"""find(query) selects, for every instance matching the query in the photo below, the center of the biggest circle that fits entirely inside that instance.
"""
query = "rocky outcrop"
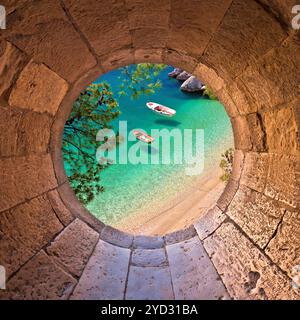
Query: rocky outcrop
(192, 84)
(183, 76)
(176, 72)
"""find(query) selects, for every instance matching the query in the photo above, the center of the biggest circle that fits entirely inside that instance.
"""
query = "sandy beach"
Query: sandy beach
(179, 212)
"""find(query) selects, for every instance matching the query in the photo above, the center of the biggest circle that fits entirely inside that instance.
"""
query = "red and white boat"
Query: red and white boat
(163, 110)
(143, 136)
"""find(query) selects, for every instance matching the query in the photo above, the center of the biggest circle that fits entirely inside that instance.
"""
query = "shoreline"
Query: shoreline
(178, 212)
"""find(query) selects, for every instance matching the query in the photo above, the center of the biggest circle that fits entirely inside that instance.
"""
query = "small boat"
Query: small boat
(163, 110)
(143, 136)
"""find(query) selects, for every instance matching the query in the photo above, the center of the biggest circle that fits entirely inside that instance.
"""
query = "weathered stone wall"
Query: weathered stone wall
(246, 52)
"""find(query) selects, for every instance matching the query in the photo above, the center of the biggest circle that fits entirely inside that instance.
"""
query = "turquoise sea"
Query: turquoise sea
(133, 188)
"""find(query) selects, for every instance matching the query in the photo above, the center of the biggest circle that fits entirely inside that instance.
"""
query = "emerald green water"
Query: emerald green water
(137, 188)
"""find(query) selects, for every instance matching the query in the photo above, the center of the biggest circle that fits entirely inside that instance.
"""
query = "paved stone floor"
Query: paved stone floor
(211, 260)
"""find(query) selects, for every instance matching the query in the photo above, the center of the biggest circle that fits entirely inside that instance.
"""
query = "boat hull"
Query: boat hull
(160, 109)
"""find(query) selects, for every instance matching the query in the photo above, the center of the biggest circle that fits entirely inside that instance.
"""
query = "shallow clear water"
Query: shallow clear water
(130, 188)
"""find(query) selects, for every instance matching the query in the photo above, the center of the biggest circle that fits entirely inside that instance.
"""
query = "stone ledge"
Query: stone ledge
(238, 164)
(180, 235)
(60, 209)
(148, 242)
(241, 133)
(209, 222)
(116, 237)
(228, 194)
(71, 202)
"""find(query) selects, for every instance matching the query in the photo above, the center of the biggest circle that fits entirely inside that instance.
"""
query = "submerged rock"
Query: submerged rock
(175, 72)
(192, 84)
(183, 76)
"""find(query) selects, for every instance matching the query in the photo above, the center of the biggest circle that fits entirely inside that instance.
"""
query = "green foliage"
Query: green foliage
(94, 109)
(140, 79)
(226, 164)
(207, 92)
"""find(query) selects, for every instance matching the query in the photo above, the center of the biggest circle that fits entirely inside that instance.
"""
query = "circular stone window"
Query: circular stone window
(148, 148)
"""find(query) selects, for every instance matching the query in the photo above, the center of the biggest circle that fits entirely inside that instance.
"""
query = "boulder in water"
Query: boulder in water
(183, 76)
(175, 73)
(192, 84)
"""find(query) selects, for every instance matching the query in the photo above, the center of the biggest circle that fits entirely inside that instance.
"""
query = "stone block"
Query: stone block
(9, 123)
(147, 242)
(240, 96)
(255, 170)
(63, 214)
(284, 248)
(152, 55)
(142, 13)
(25, 177)
(26, 229)
(149, 38)
(238, 164)
(38, 89)
(258, 134)
(209, 76)
(281, 131)
(39, 279)
(199, 14)
(44, 31)
(11, 63)
(191, 41)
(107, 34)
(116, 237)
(279, 68)
(179, 60)
(149, 258)
(245, 271)
(104, 276)
(117, 59)
(209, 222)
(73, 246)
(180, 235)
(149, 283)
(228, 194)
(241, 133)
(283, 181)
(20, 136)
(246, 32)
(228, 103)
(193, 275)
(256, 214)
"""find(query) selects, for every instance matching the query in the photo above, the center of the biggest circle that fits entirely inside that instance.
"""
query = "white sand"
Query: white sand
(179, 212)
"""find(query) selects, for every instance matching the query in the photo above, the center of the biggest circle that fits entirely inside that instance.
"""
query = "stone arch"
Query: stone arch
(246, 52)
